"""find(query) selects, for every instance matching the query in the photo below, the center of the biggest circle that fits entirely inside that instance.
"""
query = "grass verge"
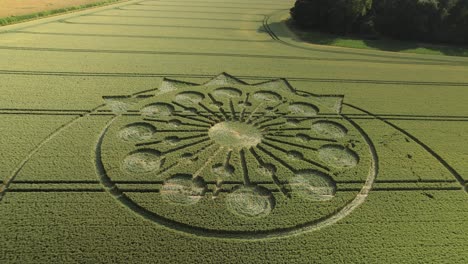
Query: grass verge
(382, 44)
(22, 18)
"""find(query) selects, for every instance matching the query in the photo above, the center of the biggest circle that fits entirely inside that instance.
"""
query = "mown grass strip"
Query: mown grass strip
(22, 18)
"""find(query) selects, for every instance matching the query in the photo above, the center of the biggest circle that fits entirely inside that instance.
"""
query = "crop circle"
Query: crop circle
(234, 160)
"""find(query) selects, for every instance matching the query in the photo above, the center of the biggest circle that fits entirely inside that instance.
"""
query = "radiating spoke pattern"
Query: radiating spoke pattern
(245, 144)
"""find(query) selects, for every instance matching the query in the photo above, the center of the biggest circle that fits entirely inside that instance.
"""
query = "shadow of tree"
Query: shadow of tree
(362, 41)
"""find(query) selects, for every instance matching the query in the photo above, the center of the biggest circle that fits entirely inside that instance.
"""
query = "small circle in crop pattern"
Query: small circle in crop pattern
(137, 132)
(250, 201)
(313, 185)
(157, 110)
(338, 156)
(329, 129)
(189, 97)
(183, 190)
(142, 161)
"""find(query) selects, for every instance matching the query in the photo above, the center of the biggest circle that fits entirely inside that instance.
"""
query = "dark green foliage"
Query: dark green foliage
(310, 14)
(426, 20)
(338, 16)
(408, 19)
(455, 22)
(346, 13)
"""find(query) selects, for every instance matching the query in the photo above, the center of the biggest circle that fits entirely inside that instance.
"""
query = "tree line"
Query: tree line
(444, 21)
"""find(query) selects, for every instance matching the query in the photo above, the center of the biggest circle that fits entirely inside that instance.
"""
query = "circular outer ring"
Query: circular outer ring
(307, 227)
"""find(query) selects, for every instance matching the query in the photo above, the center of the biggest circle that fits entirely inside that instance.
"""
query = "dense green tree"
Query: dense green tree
(427, 20)
(344, 14)
(338, 16)
(455, 25)
(311, 13)
(406, 19)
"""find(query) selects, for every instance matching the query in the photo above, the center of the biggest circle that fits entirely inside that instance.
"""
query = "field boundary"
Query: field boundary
(4, 21)
(358, 43)
(51, 19)
(275, 26)
(386, 44)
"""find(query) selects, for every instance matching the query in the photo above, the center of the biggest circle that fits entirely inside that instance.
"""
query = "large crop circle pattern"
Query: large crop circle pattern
(251, 150)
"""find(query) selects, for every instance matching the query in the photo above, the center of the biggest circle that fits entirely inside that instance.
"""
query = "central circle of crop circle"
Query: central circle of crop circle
(235, 134)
